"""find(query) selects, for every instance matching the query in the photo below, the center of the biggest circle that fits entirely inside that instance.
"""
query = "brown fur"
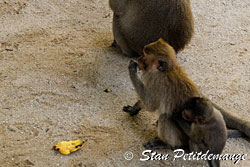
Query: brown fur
(173, 85)
(165, 87)
(137, 23)
(164, 91)
(208, 129)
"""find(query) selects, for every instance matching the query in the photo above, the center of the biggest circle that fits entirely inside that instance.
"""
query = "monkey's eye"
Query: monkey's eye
(162, 65)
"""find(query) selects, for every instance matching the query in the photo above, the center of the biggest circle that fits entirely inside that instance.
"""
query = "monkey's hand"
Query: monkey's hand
(132, 66)
(131, 110)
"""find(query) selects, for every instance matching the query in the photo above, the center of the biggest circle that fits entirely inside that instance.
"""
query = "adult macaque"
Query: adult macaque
(165, 87)
(137, 23)
(207, 131)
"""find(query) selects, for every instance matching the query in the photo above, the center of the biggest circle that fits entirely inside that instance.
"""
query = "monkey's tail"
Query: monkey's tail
(234, 122)
(232, 133)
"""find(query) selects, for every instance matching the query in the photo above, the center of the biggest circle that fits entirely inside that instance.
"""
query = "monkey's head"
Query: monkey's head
(158, 55)
(197, 110)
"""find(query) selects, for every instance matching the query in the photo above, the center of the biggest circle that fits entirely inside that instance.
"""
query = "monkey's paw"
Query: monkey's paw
(66, 147)
(114, 44)
(133, 66)
(156, 144)
(131, 110)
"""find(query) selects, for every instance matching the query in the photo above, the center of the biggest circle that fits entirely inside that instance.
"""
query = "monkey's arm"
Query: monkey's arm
(135, 109)
(197, 134)
(193, 132)
(139, 87)
(185, 126)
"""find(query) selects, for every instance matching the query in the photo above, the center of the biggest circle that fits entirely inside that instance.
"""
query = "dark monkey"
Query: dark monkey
(165, 87)
(207, 130)
(137, 23)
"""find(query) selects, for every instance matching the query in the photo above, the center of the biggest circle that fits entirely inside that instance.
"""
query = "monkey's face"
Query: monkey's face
(198, 110)
(188, 115)
(146, 62)
(149, 62)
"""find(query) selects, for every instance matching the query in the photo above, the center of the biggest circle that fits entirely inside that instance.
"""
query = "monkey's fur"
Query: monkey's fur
(207, 130)
(137, 23)
(165, 87)
(234, 123)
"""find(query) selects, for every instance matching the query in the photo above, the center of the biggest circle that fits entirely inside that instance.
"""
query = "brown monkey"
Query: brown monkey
(165, 87)
(137, 23)
(207, 131)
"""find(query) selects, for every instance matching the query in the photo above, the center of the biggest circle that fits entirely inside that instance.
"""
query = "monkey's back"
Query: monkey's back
(147, 21)
(172, 90)
(216, 134)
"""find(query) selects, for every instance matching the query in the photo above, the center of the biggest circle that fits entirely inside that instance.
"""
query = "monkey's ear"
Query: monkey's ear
(162, 65)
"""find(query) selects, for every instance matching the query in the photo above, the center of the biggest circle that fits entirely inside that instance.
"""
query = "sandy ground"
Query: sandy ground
(55, 62)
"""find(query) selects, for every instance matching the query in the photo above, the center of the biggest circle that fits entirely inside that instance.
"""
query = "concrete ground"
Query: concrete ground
(55, 62)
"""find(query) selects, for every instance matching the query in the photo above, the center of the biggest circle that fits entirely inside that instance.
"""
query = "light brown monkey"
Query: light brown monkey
(137, 23)
(207, 131)
(165, 87)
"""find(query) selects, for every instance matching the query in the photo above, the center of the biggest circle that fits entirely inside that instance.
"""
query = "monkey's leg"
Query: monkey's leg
(202, 147)
(214, 163)
(170, 133)
(193, 146)
(120, 39)
(133, 110)
(156, 144)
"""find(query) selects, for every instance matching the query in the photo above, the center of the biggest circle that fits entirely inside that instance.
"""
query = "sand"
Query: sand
(55, 62)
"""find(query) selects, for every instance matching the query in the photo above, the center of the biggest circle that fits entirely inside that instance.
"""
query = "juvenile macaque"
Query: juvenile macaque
(207, 130)
(165, 87)
(137, 23)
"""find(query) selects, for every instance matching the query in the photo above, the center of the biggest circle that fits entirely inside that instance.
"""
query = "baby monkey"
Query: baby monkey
(204, 126)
